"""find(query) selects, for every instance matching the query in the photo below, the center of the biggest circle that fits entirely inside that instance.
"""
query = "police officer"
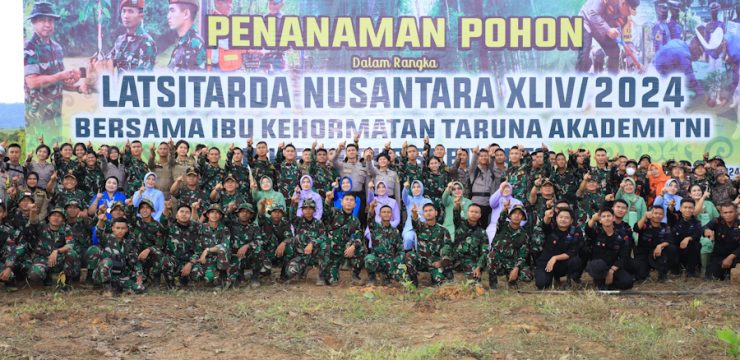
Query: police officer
(661, 33)
(190, 51)
(602, 20)
(134, 50)
(45, 75)
(674, 25)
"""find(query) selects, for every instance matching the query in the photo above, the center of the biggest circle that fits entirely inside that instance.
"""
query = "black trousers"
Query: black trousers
(570, 267)
(485, 215)
(644, 261)
(689, 258)
(715, 270)
(598, 269)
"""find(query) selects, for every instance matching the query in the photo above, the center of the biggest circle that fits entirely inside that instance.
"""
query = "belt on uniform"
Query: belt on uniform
(481, 194)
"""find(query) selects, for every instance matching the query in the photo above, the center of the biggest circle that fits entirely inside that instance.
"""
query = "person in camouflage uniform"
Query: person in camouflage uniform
(148, 237)
(435, 182)
(259, 161)
(288, 171)
(322, 174)
(517, 173)
(135, 50)
(409, 170)
(91, 175)
(565, 176)
(602, 173)
(345, 238)
(471, 241)
(211, 173)
(117, 209)
(189, 192)
(69, 192)
(304, 250)
(136, 168)
(433, 251)
(509, 250)
(542, 197)
(190, 51)
(49, 249)
(384, 246)
(10, 239)
(246, 245)
(235, 167)
(182, 245)
(215, 248)
(45, 75)
(81, 234)
(62, 160)
(226, 194)
(119, 266)
(590, 200)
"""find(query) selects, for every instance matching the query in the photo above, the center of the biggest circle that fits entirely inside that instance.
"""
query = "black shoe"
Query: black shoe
(356, 280)
(493, 282)
(11, 286)
(449, 274)
(48, 280)
(414, 280)
(662, 277)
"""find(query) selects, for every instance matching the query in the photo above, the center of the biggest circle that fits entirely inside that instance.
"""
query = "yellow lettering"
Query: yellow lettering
(471, 28)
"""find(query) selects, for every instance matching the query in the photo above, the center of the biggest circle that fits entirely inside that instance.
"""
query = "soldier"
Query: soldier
(674, 25)
(136, 168)
(246, 245)
(277, 231)
(725, 232)
(471, 241)
(211, 172)
(259, 161)
(135, 50)
(661, 31)
(560, 251)
(676, 57)
(410, 169)
(608, 252)
(50, 249)
(91, 175)
(655, 248)
(321, 173)
(384, 246)
(119, 267)
(68, 192)
(235, 167)
(305, 247)
(10, 238)
(215, 248)
(45, 75)
(226, 195)
(190, 52)
(345, 238)
(182, 245)
(509, 250)
(433, 251)
(287, 169)
(602, 20)
(687, 231)
(82, 235)
(148, 237)
(188, 191)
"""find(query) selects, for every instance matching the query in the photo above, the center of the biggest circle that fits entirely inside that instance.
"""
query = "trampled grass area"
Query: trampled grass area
(304, 321)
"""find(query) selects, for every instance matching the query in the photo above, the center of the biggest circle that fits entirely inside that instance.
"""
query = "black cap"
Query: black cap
(43, 9)
(631, 161)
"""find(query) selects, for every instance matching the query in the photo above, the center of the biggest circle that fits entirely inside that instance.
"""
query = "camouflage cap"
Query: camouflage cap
(279, 207)
(43, 8)
(191, 171)
(230, 177)
(72, 203)
(70, 174)
(518, 207)
(118, 204)
(27, 194)
(214, 207)
(57, 210)
(245, 206)
(308, 203)
(146, 202)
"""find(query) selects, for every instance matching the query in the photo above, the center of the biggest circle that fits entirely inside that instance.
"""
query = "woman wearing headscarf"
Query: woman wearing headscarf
(379, 193)
(669, 198)
(149, 191)
(636, 207)
(113, 166)
(266, 195)
(455, 190)
(306, 192)
(417, 199)
(657, 179)
(705, 212)
(345, 187)
(498, 202)
(39, 195)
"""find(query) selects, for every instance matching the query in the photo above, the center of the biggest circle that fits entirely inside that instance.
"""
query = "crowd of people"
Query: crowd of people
(180, 216)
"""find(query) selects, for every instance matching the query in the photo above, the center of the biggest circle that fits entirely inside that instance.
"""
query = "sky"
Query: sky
(11, 62)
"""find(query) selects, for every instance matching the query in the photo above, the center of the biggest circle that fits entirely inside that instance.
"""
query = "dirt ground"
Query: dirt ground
(301, 320)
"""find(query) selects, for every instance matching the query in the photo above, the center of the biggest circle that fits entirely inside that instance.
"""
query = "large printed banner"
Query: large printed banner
(632, 76)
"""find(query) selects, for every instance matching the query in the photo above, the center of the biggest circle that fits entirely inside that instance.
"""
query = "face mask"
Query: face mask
(630, 171)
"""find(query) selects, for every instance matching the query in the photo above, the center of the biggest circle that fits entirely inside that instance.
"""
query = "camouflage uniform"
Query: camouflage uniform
(217, 263)
(42, 242)
(433, 244)
(343, 231)
(118, 263)
(434, 186)
(409, 171)
(309, 231)
(148, 235)
(224, 199)
(10, 239)
(471, 242)
(259, 167)
(323, 176)
(82, 236)
(63, 166)
(189, 53)
(185, 195)
(182, 243)
(43, 105)
(603, 177)
(288, 175)
(589, 204)
(274, 234)
(508, 250)
(135, 52)
(385, 255)
(245, 234)
(518, 177)
(62, 197)
(241, 174)
(135, 171)
(92, 180)
(210, 175)
(567, 181)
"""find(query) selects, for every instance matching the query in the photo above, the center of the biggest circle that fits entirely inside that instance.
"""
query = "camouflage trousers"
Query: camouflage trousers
(271, 260)
(300, 263)
(501, 266)
(386, 264)
(38, 267)
(105, 274)
(466, 264)
(334, 255)
(212, 269)
(253, 260)
(415, 264)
